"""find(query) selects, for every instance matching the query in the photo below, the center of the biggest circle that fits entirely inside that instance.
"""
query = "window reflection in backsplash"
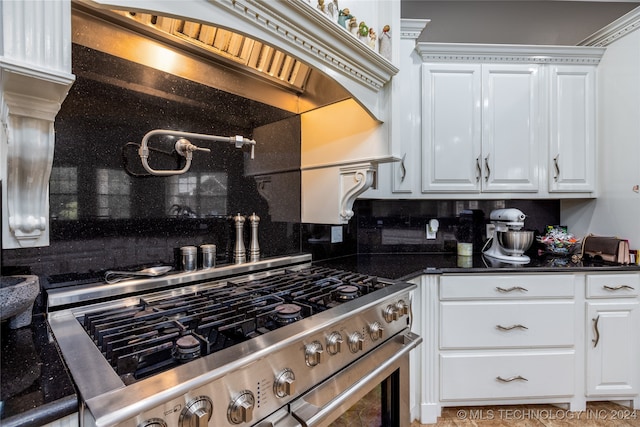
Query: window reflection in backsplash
(400, 225)
(392, 226)
(197, 195)
(63, 193)
(113, 193)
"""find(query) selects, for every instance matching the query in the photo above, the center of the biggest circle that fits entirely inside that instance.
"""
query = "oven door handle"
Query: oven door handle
(327, 401)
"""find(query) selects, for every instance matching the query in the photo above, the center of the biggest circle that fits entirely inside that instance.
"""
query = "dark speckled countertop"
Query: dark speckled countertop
(35, 385)
(405, 266)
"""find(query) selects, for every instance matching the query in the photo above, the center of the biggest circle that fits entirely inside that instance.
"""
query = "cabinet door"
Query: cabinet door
(612, 348)
(572, 129)
(510, 127)
(451, 127)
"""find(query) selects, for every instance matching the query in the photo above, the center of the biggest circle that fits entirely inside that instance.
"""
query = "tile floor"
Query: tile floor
(597, 414)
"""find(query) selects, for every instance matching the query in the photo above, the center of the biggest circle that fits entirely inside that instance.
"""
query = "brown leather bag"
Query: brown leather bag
(610, 249)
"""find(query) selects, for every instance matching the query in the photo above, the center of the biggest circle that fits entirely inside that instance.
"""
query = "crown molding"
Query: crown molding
(617, 29)
(412, 28)
(506, 53)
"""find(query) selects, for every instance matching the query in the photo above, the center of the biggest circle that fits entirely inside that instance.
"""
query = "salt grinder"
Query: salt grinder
(239, 253)
(254, 247)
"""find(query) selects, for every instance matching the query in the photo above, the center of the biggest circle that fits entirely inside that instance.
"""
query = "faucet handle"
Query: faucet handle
(240, 141)
(184, 147)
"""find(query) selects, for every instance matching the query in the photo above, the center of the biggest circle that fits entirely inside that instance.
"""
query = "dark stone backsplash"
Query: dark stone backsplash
(106, 214)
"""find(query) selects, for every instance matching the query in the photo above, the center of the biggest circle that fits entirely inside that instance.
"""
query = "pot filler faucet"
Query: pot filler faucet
(185, 148)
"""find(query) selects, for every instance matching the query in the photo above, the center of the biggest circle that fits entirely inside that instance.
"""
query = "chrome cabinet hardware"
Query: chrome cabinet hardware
(509, 328)
(597, 332)
(486, 165)
(511, 289)
(618, 288)
(514, 378)
(555, 164)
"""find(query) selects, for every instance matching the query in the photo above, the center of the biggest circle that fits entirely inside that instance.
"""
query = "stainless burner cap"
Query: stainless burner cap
(347, 292)
(187, 348)
(287, 313)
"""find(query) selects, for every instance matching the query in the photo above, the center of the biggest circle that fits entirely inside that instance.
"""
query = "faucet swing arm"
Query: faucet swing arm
(185, 148)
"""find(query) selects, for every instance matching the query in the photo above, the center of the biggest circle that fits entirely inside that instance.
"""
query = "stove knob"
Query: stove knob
(334, 343)
(375, 331)
(241, 409)
(153, 422)
(403, 308)
(313, 353)
(284, 383)
(390, 313)
(356, 342)
(196, 412)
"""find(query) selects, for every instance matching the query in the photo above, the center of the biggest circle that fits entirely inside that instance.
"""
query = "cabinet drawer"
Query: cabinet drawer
(613, 285)
(506, 324)
(511, 286)
(467, 376)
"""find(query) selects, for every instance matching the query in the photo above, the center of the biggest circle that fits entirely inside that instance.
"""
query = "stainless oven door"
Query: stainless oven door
(387, 365)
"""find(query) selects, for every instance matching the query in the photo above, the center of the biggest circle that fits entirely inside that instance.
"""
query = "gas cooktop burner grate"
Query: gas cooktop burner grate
(160, 333)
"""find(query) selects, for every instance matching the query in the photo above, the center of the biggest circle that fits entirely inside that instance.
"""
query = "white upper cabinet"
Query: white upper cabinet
(496, 121)
(572, 129)
(510, 127)
(480, 127)
(451, 127)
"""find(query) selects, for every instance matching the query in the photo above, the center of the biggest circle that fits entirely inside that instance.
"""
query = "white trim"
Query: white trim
(530, 54)
(614, 31)
(412, 28)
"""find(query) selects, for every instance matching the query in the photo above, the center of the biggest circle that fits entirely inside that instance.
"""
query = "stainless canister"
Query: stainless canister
(189, 256)
(208, 256)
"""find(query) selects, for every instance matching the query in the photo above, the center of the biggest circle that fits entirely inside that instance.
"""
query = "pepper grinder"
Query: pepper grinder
(239, 253)
(254, 247)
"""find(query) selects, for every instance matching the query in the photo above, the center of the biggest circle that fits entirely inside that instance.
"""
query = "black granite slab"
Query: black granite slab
(405, 266)
(35, 385)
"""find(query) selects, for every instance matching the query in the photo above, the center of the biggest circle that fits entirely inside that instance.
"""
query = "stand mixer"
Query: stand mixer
(509, 241)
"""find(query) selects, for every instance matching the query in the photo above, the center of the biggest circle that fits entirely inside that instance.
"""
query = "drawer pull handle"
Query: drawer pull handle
(596, 340)
(508, 380)
(509, 328)
(618, 288)
(514, 288)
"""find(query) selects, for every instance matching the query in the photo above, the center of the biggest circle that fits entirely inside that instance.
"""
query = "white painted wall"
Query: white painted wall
(616, 212)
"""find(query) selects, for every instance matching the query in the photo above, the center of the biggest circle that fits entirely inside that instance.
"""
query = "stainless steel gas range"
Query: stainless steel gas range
(279, 342)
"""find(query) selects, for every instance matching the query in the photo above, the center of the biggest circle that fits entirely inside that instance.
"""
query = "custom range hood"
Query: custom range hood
(284, 54)
(341, 89)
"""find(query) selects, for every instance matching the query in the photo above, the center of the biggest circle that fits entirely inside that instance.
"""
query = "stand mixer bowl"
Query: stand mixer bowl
(515, 242)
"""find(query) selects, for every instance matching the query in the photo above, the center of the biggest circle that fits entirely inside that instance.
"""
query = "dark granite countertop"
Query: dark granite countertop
(405, 266)
(35, 385)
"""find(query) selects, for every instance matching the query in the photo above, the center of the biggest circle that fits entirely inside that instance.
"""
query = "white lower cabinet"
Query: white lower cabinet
(512, 336)
(613, 336)
(506, 375)
(523, 338)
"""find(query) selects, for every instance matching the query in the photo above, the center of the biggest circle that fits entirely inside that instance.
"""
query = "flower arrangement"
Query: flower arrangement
(558, 241)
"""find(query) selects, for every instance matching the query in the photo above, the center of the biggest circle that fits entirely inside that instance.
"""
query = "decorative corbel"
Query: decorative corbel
(28, 142)
(354, 180)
